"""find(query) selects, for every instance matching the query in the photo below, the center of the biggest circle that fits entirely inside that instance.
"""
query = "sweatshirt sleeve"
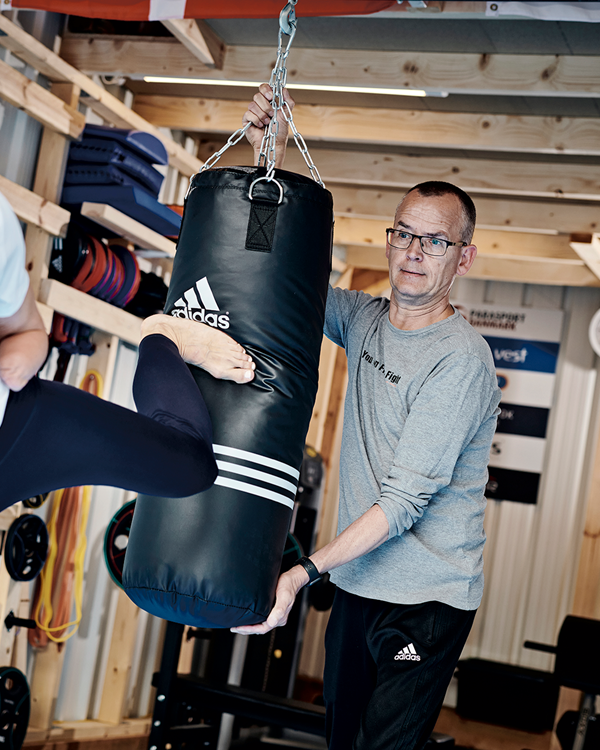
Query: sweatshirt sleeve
(451, 406)
(13, 276)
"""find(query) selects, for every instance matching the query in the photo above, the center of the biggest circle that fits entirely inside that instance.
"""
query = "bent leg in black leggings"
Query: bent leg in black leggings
(56, 436)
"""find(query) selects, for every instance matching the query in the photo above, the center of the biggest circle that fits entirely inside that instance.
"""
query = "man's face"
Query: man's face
(419, 280)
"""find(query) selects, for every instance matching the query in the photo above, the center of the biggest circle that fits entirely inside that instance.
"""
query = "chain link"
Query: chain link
(277, 82)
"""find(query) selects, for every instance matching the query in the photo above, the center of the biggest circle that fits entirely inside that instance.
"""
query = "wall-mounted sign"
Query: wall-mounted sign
(525, 344)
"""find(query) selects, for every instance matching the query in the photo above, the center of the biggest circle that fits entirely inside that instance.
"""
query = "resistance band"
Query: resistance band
(61, 578)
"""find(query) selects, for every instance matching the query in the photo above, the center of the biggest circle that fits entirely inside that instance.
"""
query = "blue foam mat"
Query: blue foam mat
(132, 201)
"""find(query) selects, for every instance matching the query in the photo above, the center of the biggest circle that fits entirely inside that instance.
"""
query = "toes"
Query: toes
(241, 376)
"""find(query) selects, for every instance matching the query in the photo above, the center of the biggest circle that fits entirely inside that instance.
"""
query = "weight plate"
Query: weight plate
(36, 502)
(115, 541)
(26, 548)
(14, 708)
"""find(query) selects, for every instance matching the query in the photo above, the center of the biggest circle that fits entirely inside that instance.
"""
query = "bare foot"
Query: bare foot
(203, 346)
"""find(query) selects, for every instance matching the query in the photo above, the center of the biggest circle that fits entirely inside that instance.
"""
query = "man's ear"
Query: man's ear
(467, 256)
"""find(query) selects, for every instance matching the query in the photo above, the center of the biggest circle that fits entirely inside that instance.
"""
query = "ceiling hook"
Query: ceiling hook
(287, 18)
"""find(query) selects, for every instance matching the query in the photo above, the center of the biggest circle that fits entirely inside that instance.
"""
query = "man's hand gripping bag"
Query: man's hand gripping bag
(257, 268)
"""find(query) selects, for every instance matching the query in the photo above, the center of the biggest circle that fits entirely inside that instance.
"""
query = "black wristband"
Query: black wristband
(311, 569)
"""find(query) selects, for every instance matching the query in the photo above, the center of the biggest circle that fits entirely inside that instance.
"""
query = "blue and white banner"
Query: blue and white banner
(525, 345)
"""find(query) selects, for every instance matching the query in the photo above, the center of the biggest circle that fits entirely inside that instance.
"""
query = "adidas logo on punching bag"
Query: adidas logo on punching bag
(199, 303)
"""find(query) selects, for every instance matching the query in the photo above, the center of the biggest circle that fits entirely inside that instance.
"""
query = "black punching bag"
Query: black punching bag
(253, 259)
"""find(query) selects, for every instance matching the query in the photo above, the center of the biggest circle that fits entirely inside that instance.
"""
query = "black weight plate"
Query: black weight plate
(115, 541)
(26, 548)
(14, 708)
(36, 502)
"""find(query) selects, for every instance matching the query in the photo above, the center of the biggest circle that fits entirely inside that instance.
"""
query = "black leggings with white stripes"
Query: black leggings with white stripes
(56, 436)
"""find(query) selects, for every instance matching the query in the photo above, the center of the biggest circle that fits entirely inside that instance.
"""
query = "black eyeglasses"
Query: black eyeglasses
(429, 245)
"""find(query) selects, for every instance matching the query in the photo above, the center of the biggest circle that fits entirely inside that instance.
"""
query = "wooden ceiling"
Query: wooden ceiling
(519, 127)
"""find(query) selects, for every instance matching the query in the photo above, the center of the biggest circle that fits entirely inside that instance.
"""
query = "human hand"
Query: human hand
(21, 356)
(16, 370)
(260, 113)
(288, 586)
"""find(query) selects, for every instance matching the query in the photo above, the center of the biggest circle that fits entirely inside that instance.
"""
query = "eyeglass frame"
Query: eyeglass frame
(421, 237)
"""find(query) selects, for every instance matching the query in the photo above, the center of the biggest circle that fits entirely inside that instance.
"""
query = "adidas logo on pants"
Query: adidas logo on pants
(408, 653)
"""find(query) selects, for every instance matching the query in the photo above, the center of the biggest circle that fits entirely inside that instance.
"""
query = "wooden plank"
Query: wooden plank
(119, 661)
(80, 731)
(495, 133)
(106, 105)
(46, 314)
(378, 288)
(400, 171)
(465, 73)
(39, 103)
(547, 217)
(186, 31)
(54, 149)
(488, 266)
(371, 232)
(217, 47)
(128, 228)
(316, 428)
(48, 183)
(589, 255)
(89, 310)
(19, 654)
(45, 685)
(33, 209)
(555, 272)
(186, 653)
(7, 585)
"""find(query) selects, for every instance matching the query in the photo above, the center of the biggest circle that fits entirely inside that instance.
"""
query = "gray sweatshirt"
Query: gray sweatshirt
(420, 414)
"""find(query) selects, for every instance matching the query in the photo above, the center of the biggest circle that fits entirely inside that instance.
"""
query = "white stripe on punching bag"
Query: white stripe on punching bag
(162, 9)
(256, 458)
(262, 476)
(252, 489)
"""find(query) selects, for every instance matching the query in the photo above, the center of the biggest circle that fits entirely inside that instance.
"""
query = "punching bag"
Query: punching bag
(253, 260)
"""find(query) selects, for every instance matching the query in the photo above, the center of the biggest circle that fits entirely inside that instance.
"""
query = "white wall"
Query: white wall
(532, 551)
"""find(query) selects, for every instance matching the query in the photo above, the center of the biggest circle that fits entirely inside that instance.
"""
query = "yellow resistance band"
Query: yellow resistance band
(45, 598)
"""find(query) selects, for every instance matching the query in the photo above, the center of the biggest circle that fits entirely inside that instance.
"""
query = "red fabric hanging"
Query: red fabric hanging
(139, 10)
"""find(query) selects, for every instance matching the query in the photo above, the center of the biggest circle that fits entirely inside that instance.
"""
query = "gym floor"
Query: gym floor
(469, 735)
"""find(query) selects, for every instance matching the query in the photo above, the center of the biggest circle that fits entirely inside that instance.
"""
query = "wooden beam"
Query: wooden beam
(589, 254)
(491, 267)
(545, 217)
(89, 310)
(371, 233)
(71, 732)
(33, 52)
(118, 666)
(500, 133)
(400, 171)
(48, 184)
(186, 31)
(523, 270)
(457, 73)
(128, 228)
(33, 209)
(39, 103)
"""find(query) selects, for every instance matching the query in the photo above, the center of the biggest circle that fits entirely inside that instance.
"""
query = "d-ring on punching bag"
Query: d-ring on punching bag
(253, 259)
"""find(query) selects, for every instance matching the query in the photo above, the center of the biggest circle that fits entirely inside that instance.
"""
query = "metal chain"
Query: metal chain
(233, 139)
(277, 82)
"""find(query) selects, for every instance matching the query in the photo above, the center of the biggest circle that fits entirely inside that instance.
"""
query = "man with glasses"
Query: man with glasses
(420, 414)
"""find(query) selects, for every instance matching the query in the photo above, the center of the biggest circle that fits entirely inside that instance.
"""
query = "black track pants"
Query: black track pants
(387, 667)
(56, 436)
